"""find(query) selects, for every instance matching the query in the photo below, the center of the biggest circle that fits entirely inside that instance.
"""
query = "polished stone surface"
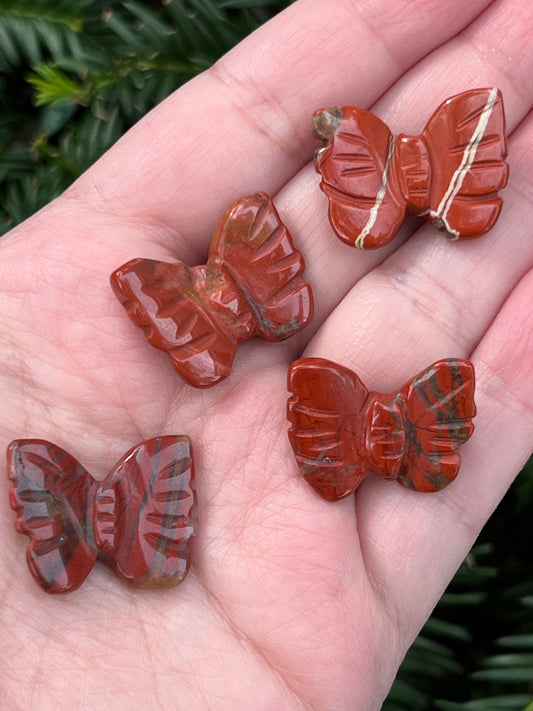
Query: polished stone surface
(340, 432)
(450, 174)
(140, 519)
(251, 286)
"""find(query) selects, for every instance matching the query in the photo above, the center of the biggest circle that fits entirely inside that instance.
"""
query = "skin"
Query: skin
(292, 603)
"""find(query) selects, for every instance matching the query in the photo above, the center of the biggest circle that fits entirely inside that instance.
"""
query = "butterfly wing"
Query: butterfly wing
(51, 493)
(169, 303)
(366, 206)
(437, 406)
(255, 250)
(145, 513)
(466, 139)
(327, 424)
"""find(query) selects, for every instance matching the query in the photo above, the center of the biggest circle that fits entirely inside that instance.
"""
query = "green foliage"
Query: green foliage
(476, 651)
(76, 74)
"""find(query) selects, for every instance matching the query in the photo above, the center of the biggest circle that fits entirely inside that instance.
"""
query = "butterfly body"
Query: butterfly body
(140, 519)
(340, 432)
(250, 286)
(450, 173)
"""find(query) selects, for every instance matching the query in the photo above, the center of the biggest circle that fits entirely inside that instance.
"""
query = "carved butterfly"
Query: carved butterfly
(449, 174)
(250, 286)
(140, 519)
(340, 432)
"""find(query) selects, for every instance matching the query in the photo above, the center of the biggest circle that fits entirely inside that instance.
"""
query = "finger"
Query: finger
(431, 298)
(428, 301)
(430, 269)
(491, 49)
(101, 225)
(414, 537)
(88, 247)
(244, 125)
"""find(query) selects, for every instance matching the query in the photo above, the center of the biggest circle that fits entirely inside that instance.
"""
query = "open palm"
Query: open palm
(292, 602)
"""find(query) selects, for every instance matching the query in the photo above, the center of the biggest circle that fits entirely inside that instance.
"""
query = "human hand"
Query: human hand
(292, 603)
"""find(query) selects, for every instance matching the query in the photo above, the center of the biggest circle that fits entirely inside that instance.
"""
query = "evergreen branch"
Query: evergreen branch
(54, 87)
(95, 67)
(508, 702)
(28, 36)
(66, 14)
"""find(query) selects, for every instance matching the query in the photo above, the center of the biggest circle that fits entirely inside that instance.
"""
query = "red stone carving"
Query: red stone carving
(140, 519)
(449, 174)
(250, 286)
(340, 432)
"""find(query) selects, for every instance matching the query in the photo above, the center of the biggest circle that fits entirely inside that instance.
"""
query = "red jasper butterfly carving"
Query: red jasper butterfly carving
(250, 286)
(450, 174)
(140, 519)
(340, 432)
